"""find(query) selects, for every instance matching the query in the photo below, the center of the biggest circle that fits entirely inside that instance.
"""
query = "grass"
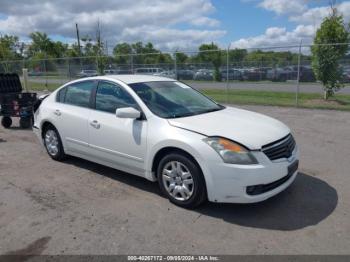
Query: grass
(289, 82)
(42, 86)
(253, 97)
(272, 98)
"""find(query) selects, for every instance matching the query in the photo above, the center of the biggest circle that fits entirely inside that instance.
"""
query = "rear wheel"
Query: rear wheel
(181, 180)
(6, 121)
(53, 144)
(25, 122)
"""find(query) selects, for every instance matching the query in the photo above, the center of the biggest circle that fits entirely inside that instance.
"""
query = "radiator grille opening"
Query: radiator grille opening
(282, 148)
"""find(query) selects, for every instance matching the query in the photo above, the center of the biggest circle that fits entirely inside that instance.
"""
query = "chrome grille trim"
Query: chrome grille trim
(282, 148)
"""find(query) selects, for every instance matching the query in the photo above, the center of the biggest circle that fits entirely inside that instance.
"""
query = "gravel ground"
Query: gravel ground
(78, 207)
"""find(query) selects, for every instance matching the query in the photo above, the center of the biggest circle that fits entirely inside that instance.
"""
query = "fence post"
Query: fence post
(227, 72)
(175, 64)
(97, 65)
(25, 78)
(45, 69)
(69, 70)
(298, 77)
(132, 62)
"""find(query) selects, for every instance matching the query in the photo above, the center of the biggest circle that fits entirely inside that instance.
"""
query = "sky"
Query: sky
(172, 24)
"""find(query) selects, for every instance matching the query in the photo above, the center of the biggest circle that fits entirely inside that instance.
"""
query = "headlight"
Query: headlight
(231, 152)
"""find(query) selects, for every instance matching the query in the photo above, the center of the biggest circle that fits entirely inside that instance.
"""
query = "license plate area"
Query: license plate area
(260, 189)
(293, 167)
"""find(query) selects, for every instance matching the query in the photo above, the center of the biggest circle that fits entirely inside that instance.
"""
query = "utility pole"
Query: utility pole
(78, 38)
(98, 37)
(227, 71)
(79, 47)
(175, 64)
(99, 49)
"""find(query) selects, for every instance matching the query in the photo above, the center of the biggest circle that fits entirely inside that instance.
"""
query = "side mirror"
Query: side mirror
(128, 112)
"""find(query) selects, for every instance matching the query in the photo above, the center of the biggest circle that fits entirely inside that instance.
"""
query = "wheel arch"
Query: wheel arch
(45, 125)
(167, 150)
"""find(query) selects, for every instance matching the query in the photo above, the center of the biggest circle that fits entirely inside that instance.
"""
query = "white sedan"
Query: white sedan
(165, 131)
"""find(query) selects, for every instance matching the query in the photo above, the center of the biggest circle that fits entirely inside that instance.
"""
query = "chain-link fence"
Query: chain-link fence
(231, 75)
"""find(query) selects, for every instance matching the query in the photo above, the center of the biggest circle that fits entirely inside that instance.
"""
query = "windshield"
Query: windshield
(170, 99)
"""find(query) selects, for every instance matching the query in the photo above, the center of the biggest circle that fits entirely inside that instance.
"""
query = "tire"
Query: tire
(172, 183)
(53, 143)
(6, 122)
(25, 122)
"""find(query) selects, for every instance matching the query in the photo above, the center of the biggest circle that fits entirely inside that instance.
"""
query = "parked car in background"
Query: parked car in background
(124, 71)
(231, 74)
(346, 76)
(169, 74)
(306, 74)
(87, 73)
(204, 74)
(185, 74)
(148, 71)
(110, 72)
(35, 73)
(276, 74)
(254, 74)
(118, 72)
(165, 131)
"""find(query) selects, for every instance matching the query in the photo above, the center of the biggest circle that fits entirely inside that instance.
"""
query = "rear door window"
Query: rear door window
(110, 96)
(79, 94)
(61, 95)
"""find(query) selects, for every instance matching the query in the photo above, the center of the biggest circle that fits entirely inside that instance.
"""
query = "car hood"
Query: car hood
(250, 129)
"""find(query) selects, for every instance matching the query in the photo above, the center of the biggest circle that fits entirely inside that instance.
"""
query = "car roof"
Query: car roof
(131, 79)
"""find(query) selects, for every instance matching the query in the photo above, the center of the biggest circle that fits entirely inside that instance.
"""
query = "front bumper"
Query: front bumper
(229, 183)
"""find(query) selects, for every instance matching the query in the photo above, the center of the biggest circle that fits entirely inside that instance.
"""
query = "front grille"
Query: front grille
(282, 148)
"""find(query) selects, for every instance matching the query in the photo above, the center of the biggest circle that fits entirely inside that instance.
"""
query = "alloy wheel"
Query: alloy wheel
(177, 180)
(51, 142)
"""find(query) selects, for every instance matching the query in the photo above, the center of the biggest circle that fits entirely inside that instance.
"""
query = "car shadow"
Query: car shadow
(308, 201)
(18, 128)
(120, 176)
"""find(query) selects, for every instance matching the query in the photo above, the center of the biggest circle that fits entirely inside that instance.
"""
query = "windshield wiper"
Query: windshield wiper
(196, 113)
(210, 110)
(182, 115)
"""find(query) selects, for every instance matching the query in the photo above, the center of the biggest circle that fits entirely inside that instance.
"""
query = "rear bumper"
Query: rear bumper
(37, 132)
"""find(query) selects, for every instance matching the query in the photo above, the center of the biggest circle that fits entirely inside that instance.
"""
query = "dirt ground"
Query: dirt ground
(78, 207)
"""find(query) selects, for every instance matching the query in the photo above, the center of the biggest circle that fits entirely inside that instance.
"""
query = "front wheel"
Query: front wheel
(181, 180)
(53, 144)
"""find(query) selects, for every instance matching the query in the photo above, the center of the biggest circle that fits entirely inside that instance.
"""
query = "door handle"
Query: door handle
(57, 112)
(95, 124)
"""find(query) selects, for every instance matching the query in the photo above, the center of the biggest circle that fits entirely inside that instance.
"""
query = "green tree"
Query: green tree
(72, 51)
(146, 54)
(8, 48)
(93, 52)
(237, 55)
(164, 59)
(41, 43)
(181, 58)
(141, 54)
(122, 53)
(8, 44)
(325, 57)
(210, 53)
